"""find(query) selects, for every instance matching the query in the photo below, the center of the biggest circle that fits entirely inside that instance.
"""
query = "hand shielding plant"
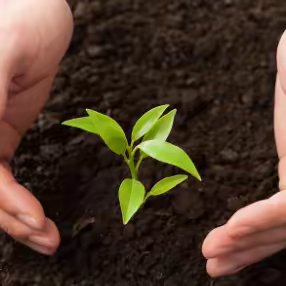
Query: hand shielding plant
(154, 131)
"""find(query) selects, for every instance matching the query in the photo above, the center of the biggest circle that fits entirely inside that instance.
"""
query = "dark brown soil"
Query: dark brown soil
(212, 60)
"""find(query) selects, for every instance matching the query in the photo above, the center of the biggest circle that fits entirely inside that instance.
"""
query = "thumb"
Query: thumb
(280, 111)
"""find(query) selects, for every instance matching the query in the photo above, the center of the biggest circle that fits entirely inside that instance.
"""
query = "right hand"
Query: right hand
(258, 230)
(34, 35)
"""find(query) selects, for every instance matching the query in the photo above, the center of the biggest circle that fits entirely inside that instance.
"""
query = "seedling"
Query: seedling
(154, 131)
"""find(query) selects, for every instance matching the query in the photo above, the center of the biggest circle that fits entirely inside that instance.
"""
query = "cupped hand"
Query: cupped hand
(258, 230)
(34, 35)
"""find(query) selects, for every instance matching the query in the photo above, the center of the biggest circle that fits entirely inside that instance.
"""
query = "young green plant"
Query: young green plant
(153, 129)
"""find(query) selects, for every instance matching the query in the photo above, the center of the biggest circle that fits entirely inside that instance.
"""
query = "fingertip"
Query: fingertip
(208, 245)
(212, 268)
(218, 267)
(45, 242)
(38, 248)
(217, 243)
(53, 234)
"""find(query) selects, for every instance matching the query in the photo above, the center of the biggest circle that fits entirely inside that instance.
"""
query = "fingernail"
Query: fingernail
(39, 248)
(29, 220)
(40, 240)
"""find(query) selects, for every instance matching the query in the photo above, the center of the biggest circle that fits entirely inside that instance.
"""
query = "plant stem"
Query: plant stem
(131, 145)
(138, 163)
(132, 167)
(130, 162)
(125, 159)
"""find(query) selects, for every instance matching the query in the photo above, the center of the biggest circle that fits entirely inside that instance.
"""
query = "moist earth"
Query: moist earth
(212, 60)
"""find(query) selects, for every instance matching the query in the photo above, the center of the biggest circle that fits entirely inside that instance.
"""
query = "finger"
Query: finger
(45, 242)
(280, 131)
(281, 61)
(14, 227)
(20, 104)
(279, 117)
(256, 218)
(8, 59)
(235, 262)
(11, 65)
(280, 110)
(260, 216)
(19, 202)
(16, 91)
(219, 242)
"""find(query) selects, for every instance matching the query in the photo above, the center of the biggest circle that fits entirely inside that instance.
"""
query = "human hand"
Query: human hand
(34, 35)
(259, 230)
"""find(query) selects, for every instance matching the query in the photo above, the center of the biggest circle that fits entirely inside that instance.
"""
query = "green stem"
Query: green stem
(125, 159)
(130, 162)
(131, 145)
(139, 163)
(132, 168)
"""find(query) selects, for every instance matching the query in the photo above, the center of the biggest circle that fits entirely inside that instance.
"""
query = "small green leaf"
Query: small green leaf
(146, 121)
(131, 197)
(110, 131)
(166, 184)
(170, 154)
(161, 128)
(84, 123)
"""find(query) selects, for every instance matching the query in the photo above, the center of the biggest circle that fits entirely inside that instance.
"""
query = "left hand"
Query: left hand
(259, 230)
(34, 35)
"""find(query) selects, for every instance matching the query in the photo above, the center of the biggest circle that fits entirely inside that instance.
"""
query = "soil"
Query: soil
(212, 60)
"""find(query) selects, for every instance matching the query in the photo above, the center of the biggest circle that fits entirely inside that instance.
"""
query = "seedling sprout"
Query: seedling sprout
(153, 129)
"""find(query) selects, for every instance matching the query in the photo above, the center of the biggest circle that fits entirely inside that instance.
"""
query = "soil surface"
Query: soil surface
(212, 60)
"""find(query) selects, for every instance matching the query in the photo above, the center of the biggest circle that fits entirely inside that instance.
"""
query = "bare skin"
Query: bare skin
(259, 230)
(34, 35)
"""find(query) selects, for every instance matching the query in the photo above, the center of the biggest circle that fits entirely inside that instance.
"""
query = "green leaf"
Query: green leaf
(146, 121)
(131, 197)
(161, 128)
(84, 123)
(170, 154)
(110, 131)
(166, 184)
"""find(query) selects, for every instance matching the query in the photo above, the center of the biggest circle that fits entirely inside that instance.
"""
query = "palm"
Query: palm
(36, 62)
